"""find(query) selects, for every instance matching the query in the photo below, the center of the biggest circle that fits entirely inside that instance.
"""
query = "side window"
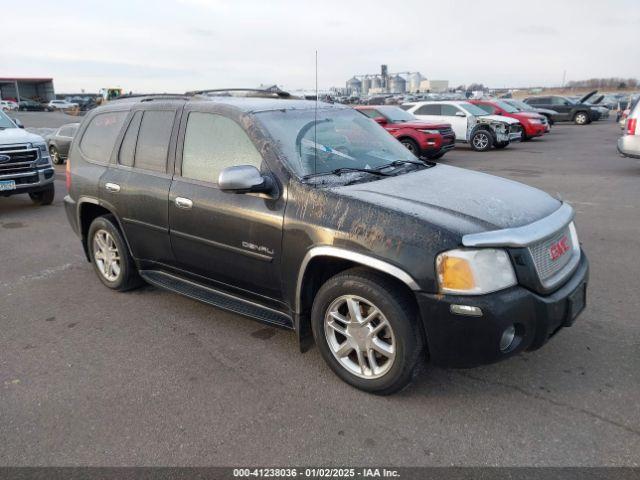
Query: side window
(153, 140)
(429, 109)
(100, 136)
(558, 101)
(371, 113)
(128, 147)
(449, 110)
(212, 143)
(486, 108)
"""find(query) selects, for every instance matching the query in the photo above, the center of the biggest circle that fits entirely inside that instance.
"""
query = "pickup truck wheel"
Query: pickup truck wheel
(581, 118)
(367, 331)
(44, 197)
(411, 145)
(110, 256)
(481, 140)
(55, 156)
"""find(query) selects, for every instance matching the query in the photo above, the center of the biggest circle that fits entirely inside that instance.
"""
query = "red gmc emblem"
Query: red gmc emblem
(556, 250)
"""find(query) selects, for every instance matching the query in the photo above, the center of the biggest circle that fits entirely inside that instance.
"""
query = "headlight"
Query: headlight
(430, 131)
(535, 121)
(42, 147)
(474, 272)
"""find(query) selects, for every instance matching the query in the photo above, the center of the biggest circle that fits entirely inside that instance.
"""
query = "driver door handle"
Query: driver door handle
(184, 203)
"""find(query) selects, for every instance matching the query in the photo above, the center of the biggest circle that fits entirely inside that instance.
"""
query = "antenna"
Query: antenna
(315, 123)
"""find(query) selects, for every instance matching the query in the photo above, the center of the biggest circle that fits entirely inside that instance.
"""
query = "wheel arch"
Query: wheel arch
(88, 210)
(323, 262)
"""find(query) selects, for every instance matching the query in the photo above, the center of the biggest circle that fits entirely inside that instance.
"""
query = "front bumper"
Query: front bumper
(462, 341)
(29, 182)
(629, 146)
(535, 129)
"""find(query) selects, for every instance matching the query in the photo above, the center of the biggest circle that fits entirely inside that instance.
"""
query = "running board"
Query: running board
(216, 298)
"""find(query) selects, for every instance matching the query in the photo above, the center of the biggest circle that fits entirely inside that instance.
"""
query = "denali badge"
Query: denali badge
(4, 158)
(257, 248)
(556, 250)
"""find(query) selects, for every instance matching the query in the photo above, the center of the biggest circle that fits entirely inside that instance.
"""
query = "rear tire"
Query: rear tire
(110, 256)
(379, 351)
(581, 118)
(481, 140)
(44, 197)
(411, 145)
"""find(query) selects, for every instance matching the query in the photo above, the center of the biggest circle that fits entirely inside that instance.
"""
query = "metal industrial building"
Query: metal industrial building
(40, 89)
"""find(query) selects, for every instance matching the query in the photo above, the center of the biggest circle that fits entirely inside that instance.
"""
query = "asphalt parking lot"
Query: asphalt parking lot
(93, 377)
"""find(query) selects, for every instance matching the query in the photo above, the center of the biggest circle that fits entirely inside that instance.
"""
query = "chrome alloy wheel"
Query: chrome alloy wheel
(106, 255)
(481, 141)
(360, 337)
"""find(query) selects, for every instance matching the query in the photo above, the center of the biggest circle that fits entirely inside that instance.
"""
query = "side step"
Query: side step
(216, 298)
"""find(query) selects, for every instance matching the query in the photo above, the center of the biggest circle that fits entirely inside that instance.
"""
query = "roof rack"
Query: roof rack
(252, 92)
(148, 97)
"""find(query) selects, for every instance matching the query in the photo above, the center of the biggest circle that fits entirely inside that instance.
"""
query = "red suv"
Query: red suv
(423, 139)
(533, 124)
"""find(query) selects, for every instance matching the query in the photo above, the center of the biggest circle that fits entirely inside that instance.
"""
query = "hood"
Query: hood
(497, 118)
(18, 135)
(459, 200)
(598, 100)
(587, 96)
(419, 124)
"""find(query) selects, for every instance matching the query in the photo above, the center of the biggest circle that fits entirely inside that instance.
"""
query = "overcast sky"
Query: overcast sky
(177, 45)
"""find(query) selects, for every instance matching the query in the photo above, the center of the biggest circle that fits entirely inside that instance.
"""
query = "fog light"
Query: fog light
(507, 338)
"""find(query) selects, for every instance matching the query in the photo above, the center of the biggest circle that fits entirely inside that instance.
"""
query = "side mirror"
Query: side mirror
(18, 122)
(244, 179)
(460, 114)
(380, 120)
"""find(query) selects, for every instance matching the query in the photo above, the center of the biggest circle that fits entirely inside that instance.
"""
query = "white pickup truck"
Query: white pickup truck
(470, 123)
(25, 165)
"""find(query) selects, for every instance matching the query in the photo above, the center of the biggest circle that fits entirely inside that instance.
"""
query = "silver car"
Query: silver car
(629, 142)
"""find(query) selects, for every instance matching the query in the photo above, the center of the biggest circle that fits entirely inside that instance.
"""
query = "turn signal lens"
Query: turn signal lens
(474, 272)
(456, 274)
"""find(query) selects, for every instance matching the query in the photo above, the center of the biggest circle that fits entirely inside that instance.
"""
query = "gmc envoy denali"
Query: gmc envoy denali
(311, 217)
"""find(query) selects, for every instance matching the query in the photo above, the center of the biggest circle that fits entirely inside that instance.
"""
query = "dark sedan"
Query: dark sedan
(60, 141)
(28, 105)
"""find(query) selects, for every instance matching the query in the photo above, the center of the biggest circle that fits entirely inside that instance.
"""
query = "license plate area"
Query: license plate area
(6, 185)
(577, 302)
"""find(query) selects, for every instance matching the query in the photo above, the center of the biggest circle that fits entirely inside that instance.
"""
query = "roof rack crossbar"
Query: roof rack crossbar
(279, 93)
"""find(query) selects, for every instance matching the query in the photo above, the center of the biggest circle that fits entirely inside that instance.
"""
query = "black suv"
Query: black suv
(568, 110)
(313, 218)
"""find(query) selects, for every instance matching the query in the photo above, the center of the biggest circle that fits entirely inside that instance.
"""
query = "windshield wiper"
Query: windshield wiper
(339, 171)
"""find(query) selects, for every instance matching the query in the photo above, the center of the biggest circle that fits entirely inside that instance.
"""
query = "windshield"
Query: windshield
(337, 139)
(5, 122)
(521, 105)
(506, 107)
(396, 114)
(472, 109)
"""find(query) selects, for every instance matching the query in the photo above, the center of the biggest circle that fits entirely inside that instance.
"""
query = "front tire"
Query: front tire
(411, 145)
(44, 197)
(110, 256)
(581, 118)
(481, 140)
(367, 331)
(55, 155)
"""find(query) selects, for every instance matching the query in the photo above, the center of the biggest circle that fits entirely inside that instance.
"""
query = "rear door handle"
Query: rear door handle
(184, 203)
(112, 187)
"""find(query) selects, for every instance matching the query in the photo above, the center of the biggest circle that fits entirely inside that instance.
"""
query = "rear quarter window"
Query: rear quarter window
(100, 136)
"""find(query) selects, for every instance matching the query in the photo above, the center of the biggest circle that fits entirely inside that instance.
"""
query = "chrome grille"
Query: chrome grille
(546, 266)
(22, 158)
